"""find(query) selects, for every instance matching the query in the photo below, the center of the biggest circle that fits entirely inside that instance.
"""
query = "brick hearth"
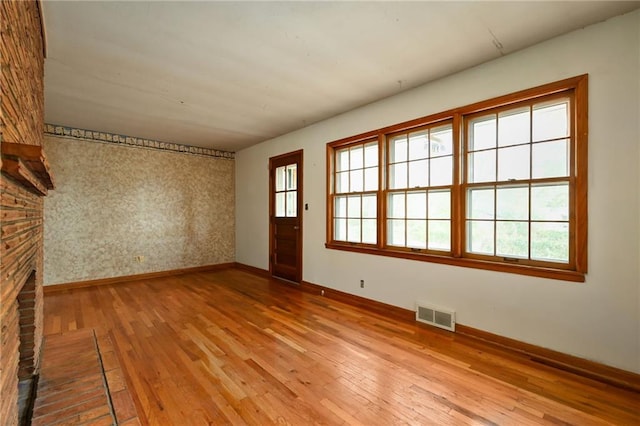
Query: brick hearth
(81, 383)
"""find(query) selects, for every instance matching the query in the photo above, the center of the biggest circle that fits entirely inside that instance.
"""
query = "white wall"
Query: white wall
(598, 319)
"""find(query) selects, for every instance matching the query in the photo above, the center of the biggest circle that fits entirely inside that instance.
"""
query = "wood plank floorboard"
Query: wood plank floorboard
(229, 347)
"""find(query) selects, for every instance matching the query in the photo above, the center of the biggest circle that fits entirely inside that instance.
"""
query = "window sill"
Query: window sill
(556, 274)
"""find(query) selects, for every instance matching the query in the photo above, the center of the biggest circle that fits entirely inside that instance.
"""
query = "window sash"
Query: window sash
(520, 240)
(353, 221)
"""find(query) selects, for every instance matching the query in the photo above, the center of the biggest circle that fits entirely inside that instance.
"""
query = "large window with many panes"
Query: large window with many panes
(500, 185)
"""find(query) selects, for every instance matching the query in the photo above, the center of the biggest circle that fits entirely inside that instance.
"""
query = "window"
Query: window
(420, 177)
(497, 185)
(356, 198)
(518, 180)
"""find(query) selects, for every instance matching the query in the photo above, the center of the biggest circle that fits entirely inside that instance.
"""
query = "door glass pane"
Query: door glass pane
(482, 133)
(551, 159)
(480, 203)
(513, 203)
(395, 231)
(371, 155)
(440, 235)
(439, 205)
(340, 230)
(514, 127)
(357, 180)
(396, 205)
(369, 231)
(357, 157)
(441, 171)
(513, 163)
(341, 206)
(280, 204)
(550, 241)
(292, 206)
(369, 206)
(512, 239)
(551, 120)
(353, 206)
(417, 233)
(280, 178)
(353, 230)
(292, 177)
(418, 145)
(417, 205)
(441, 141)
(482, 166)
(398, 176)
(480, 237)
(550, 202)
(371, 179)
(418, 174)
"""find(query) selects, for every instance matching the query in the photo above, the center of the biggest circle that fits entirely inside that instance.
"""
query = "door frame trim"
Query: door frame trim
(300, 202)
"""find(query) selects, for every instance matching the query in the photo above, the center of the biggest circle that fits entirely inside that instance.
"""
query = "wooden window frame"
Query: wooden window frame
(386, 190)
(331, 157)
(576, 89)
(529, 182)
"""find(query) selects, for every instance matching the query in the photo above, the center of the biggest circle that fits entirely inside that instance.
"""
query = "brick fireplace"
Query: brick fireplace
(24, 181)
(21, 309)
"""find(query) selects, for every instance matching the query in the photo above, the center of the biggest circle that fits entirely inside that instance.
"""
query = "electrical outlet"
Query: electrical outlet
(361, 283)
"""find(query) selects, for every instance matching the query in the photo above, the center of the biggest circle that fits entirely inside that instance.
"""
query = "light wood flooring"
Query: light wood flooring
(229, 347)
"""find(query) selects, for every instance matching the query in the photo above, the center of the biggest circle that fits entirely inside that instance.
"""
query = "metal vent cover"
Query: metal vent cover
(438, 317)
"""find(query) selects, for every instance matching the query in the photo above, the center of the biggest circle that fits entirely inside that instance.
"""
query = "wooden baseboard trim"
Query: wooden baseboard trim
(48, 289)
(573, 364)
(350, 299)
(253, 270)
(380, 308)
(582, 367)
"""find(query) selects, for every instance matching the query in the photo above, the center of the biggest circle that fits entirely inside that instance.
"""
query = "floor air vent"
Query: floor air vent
(443, 318)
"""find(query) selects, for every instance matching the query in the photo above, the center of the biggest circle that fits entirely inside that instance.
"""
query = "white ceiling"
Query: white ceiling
(227, 75)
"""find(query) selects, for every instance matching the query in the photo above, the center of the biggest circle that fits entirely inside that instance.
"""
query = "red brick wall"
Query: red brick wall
(21, 77)
(21, 211)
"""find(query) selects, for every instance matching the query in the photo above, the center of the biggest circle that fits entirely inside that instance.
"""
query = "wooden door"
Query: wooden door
(285, 214)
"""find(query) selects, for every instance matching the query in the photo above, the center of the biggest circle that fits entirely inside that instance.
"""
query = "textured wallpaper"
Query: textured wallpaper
(113, 203)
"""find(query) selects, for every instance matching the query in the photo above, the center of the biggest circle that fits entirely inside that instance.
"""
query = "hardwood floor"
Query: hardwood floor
(229, 347)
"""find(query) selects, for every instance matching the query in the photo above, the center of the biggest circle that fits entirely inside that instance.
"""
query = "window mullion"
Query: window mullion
(530, 242)
(426, 218)
(406, 223)
(458, 204)
(529, 223)
(495, 186)
(381, 217)
(361, 218)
